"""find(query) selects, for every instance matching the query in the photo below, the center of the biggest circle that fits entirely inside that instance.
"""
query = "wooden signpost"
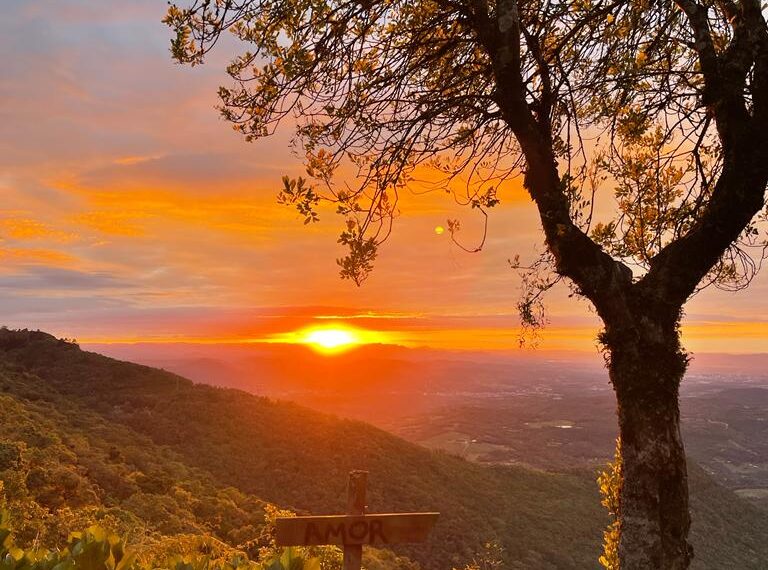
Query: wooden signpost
(356, 528)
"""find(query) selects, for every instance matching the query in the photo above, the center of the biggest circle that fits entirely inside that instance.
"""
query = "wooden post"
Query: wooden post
(358, 480)
(356, 528)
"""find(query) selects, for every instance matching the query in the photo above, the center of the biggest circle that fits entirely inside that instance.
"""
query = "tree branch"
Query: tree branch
(598, 276)
(738, 194)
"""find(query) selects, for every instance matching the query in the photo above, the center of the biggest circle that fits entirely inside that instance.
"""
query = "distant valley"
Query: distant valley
(551, 412)
(86, 438)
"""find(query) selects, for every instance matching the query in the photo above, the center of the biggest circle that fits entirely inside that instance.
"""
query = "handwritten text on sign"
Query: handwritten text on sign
(354, 529)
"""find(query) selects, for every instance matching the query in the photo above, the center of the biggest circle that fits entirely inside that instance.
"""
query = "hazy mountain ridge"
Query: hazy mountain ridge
(549, 411)
(286, 454)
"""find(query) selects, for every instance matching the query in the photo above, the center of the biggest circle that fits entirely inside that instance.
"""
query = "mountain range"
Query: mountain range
(86, 437)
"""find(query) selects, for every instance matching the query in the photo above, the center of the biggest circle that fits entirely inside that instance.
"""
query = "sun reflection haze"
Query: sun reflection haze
(332, 338)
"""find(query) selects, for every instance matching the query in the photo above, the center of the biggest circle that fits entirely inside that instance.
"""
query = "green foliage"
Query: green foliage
(315, 557)
(297, 193)
(609, 481)
(490, 558)
(648, 194)
(189, 472)
(290, 559)
(218, 456)
(98, 549)
(93, 549)
(10, 455)
(362, 253)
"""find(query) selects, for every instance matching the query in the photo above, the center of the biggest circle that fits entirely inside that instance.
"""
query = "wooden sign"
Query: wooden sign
(349, 529)
(356, 528)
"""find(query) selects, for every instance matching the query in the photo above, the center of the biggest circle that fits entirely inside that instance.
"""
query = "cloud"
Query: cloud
(16, 256)
(47, 312)
(55, 279)
(200, 173)
(112, 222)
(28, 229)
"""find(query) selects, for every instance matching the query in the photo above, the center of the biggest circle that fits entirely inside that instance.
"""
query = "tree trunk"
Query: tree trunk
(646, 367)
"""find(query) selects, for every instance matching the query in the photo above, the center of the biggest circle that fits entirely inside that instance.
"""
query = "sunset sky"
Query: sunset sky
(131, 211)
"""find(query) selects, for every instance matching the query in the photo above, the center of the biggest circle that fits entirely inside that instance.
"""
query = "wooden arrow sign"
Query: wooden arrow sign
(356, 528)
(350, 529)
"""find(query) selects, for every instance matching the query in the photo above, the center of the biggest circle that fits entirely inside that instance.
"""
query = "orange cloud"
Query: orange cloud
(111, 222)
(21, 256)
(129, 160)
(30, 229)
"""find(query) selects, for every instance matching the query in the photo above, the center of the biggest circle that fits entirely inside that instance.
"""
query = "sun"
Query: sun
(333, 339)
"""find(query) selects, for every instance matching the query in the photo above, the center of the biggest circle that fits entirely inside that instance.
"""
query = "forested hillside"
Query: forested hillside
(86, 438)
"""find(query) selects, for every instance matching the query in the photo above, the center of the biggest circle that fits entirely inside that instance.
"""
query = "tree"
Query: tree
(670, 95)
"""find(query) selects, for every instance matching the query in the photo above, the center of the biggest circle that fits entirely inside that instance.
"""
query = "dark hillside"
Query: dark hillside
(286, 454)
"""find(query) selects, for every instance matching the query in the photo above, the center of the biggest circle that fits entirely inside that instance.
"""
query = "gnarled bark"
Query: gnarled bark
(646, 367)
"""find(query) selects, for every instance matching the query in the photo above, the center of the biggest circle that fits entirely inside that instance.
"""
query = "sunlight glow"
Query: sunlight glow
(333, 338)
(330, 339)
